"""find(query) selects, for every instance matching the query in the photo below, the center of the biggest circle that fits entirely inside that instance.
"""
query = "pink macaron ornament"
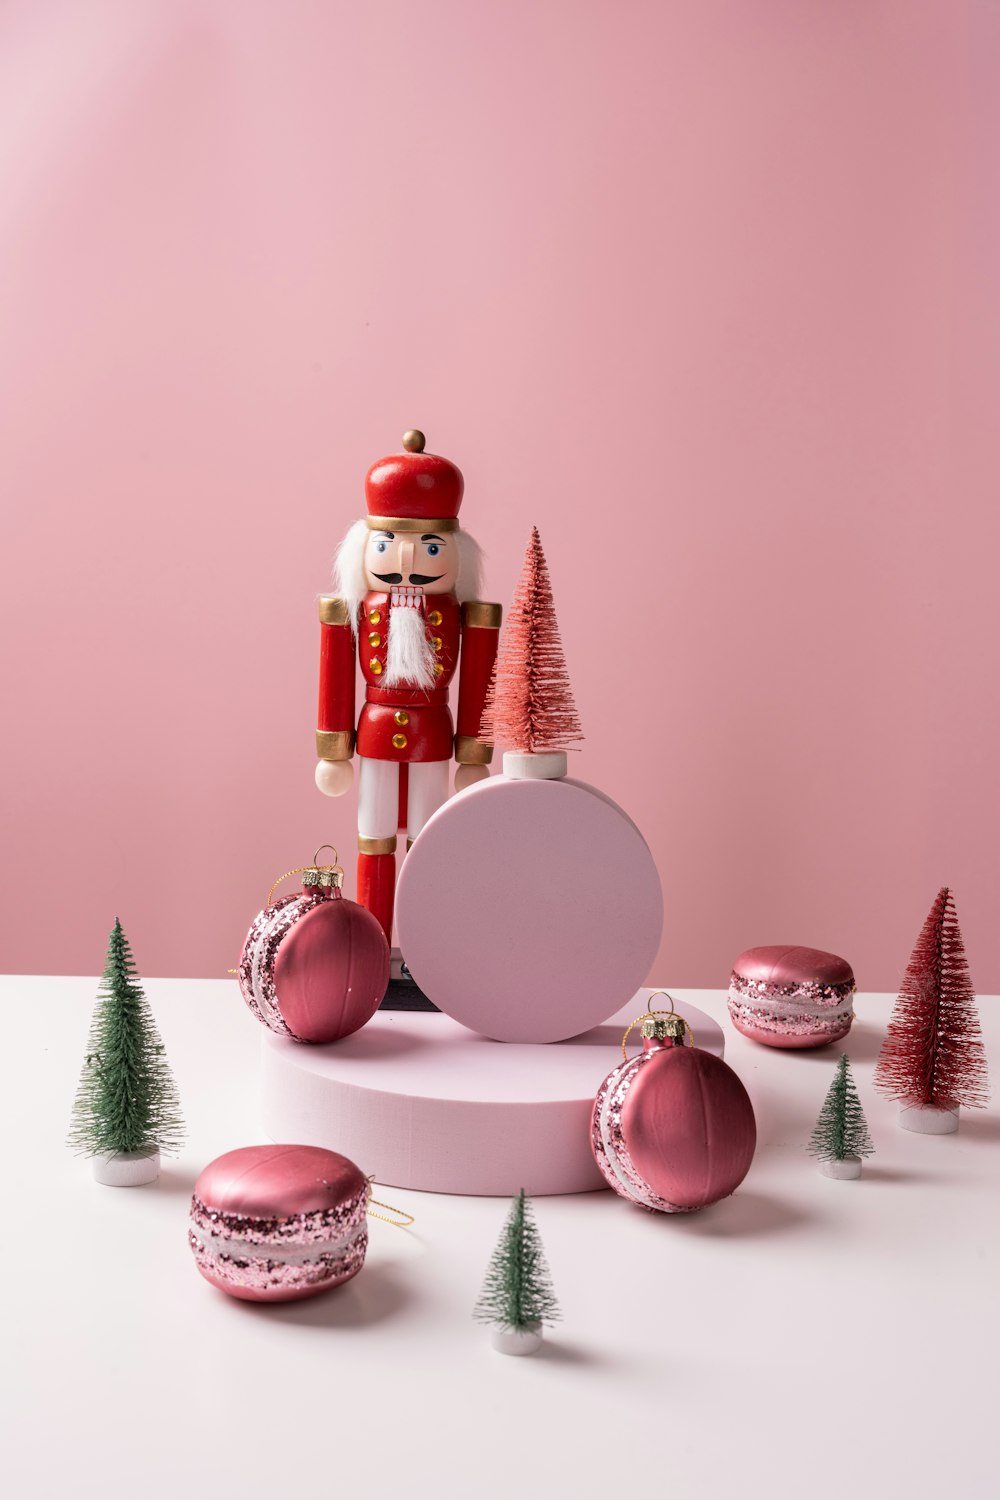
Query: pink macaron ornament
(314, 966)
(280, 1223)
(786, 996)
(673, 1128)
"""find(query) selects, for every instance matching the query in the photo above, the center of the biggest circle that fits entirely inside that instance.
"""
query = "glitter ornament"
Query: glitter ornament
(279, 1223)
(673, 1128)
(786, 996)
(314, 966)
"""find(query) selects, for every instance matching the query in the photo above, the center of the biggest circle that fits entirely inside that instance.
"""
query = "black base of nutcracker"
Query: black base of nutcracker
(403, 993)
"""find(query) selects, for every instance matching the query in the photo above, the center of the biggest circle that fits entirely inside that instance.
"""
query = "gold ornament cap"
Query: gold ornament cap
(661, 1027)
(325, 879)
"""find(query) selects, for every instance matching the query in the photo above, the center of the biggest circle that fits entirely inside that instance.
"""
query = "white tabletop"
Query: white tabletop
(805, 1338)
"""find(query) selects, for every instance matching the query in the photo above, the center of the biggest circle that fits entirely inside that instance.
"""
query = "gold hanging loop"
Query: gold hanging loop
(667, 996)
(404, 1219)
(304, 870)
(299, 870)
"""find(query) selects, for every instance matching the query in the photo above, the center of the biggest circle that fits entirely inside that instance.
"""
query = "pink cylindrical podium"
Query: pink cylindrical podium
(422, 1102)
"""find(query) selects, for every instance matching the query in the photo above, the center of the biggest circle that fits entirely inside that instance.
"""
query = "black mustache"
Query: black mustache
(417, 578)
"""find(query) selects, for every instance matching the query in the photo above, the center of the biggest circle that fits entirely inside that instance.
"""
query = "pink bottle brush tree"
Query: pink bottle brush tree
(932, 1059)
(530, 706)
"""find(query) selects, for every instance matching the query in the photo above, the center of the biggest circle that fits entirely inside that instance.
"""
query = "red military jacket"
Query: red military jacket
(404, 723)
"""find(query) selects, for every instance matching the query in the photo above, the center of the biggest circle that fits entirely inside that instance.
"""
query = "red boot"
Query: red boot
(377, 883)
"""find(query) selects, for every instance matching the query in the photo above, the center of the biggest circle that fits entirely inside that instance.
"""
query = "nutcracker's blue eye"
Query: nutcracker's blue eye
(381, 546)
(433, 549)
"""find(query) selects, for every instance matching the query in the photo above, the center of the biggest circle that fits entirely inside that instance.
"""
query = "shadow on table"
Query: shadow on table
(370, 1044)
(745, 1213)
(370, 1297)
(556, 1352)
(180, 1180)
(874, 1172)
(976, 1126)
(862, 1044)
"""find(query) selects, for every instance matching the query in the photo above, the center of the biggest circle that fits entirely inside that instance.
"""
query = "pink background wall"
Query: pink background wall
(707, 291)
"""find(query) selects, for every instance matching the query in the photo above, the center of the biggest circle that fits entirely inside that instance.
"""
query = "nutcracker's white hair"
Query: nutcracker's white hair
(349, 568)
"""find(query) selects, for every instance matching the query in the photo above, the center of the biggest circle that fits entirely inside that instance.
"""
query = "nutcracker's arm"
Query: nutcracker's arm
(335, 734)
(480, 636)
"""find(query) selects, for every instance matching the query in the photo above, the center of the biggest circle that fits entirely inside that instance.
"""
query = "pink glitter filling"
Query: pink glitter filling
(277, 921)
(300, 1229)
(613, 1144)
(832, 1027)
(808, 991)
(260, 1274)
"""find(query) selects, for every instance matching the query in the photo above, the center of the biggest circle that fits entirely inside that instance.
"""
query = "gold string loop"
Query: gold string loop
(299, 870)
(304, 869)
(402, 1222)
(646, 1013)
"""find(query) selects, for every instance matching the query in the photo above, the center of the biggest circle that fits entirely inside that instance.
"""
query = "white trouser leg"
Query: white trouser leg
(378, 798)
(428, 790)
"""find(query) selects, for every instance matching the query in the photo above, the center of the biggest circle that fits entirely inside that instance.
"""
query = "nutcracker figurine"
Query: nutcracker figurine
(407, 582)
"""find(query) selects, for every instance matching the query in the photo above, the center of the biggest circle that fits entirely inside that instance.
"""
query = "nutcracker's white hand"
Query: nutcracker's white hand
(334, 777)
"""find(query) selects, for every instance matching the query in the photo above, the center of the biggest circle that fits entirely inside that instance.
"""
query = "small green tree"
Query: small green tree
(127, 1099)
(841, 1130)
(517, 1292)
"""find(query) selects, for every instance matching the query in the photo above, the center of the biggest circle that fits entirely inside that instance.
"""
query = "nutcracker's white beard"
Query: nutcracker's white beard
(409, 660)
(409, 653)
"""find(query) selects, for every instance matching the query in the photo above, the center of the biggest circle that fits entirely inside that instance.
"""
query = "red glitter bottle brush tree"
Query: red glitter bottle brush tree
(932, 1059)
(529, 704)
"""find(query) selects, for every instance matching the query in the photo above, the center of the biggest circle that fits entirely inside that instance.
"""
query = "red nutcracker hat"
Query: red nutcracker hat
(413, 490)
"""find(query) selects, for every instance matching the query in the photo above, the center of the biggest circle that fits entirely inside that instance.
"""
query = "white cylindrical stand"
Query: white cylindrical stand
(519, 765)
(845, 1170)
(927, 1119)
(517, 1340)
(126, 1168)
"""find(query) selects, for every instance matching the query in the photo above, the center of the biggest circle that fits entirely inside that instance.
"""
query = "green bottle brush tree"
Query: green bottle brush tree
(127, 1110)
(517, 1295)
(841, 1138)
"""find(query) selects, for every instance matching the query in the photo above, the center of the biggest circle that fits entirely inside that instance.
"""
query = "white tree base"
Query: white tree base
(927, 1119)
(126, 1168)
(844, 1170)
(517, 1340)
(518, 765)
